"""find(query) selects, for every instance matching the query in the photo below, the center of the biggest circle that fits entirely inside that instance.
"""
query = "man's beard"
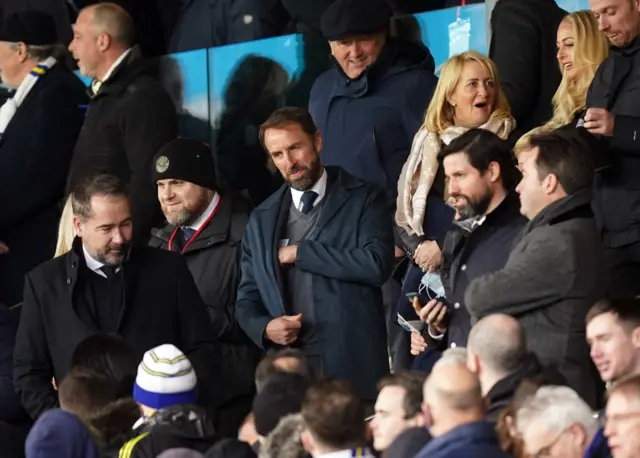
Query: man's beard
(314, 171)
(473, 208)
(187, 216)
(109, 258)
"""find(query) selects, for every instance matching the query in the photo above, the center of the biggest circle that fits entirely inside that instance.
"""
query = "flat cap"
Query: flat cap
(31, 27)
(187, 160)
(345, 18)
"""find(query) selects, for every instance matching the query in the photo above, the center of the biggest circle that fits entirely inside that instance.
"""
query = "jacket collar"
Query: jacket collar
(566, 208)
(470, 433)
(123, 75)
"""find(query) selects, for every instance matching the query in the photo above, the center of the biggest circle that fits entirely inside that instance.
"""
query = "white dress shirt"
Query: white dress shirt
(206, 214)
(96, 84)
(94, 264)
(320, 188)
(349, 453)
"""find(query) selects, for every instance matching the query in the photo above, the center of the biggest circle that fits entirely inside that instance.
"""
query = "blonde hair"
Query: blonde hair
(591, 48)
(66, 232)
(440, 112)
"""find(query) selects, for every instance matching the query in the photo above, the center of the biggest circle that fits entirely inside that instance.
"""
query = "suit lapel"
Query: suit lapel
(80, 299)
(336, 197)
(279, 228)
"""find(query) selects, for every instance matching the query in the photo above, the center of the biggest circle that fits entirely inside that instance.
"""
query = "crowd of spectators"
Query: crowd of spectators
(450, 268)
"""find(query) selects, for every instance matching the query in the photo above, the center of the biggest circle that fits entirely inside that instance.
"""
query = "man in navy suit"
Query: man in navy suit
(314, 256)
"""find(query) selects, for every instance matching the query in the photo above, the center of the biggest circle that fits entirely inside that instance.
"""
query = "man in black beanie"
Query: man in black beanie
(207, 228)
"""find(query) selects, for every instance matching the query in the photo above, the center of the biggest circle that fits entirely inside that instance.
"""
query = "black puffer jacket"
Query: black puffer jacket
(183, 426)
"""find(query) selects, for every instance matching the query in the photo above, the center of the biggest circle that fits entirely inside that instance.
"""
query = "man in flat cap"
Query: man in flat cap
(131, 116)
(369, 107)
(207, 229)
(39, 126)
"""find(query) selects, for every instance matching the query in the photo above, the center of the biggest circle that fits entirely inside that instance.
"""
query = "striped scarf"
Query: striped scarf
(419, 172)
(10, 107)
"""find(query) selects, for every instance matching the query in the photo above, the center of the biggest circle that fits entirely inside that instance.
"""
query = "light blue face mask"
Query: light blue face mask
(433, 282)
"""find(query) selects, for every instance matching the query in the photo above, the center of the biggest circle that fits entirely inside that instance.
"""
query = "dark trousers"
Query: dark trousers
(229, 416)
(624, 271)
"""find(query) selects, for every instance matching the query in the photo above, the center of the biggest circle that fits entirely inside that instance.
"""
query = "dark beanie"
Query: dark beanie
(344, 18)
(281, 395)
(187, 160)
(31, 27)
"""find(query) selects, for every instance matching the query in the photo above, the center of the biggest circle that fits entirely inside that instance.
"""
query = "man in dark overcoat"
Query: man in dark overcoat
(314, 256)
(39, 126)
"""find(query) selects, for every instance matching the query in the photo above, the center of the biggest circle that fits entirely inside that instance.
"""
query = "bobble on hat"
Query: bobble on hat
(165, 378)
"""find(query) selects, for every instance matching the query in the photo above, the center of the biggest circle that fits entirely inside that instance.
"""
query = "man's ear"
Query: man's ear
(317, 141)
(550, 184)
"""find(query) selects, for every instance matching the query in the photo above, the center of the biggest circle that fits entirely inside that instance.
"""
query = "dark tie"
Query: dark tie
(308, 198)
(188, 233)
(109, 271)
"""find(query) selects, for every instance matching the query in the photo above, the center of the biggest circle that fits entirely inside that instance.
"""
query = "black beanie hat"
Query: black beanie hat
(31, 27)
(281, 395)
(354, 17)
(187, 160)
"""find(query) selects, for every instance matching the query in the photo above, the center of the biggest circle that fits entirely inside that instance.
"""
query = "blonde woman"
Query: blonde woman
(66, 233)
(467, 96)
(581, 50)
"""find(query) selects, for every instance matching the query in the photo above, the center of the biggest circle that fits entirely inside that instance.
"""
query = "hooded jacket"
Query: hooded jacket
(368, 123)
(60, 434)
(181, 426)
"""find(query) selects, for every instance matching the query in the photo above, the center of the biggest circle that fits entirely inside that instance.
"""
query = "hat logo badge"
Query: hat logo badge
(162, 164)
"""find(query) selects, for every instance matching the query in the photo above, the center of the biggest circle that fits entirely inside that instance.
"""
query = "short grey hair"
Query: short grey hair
(499, 342)
(557, 407)
(96, 185)
(42, 52)
(285, 441)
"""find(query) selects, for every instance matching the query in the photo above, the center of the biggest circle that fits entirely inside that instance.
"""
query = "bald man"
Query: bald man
(130, 115)
(497, 353)
(455, 409)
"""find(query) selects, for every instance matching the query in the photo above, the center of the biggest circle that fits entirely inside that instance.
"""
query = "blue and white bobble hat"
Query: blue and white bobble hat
(165, 378)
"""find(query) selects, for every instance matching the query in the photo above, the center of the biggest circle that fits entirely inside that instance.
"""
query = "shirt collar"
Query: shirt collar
(93, 264)
(96, 84)
(320, 188)
(349, 453)
(206, 214)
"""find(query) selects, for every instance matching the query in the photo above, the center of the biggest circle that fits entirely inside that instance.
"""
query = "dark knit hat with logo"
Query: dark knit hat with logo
(187, 160)
(345, 18)
(281, 395)
(31, 27)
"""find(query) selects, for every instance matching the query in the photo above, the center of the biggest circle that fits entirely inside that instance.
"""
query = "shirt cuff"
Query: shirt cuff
(433, 334)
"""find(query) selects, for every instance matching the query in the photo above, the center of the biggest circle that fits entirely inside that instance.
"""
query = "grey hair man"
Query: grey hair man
(39, 125)
(556, 423)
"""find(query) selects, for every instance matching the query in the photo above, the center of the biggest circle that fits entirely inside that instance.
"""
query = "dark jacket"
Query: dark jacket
(11, 411)
(181, 426)
(499, 396)
(554, 274)
(617, 190)
(349, 254)
(161, 305)
(214, 261)
(469, 256)
(35, 153)
(523, 46)
(128, 121)
(210, 23)
(476, 440)
(368, 124)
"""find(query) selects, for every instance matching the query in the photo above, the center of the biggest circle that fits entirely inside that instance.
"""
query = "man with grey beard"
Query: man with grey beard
(313, 259)
(482, 178)
(206, 228)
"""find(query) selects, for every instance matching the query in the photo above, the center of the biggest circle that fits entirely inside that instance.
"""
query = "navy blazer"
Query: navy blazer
(350, 255)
